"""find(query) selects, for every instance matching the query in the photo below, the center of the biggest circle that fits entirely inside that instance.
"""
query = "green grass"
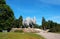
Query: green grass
(20, 36)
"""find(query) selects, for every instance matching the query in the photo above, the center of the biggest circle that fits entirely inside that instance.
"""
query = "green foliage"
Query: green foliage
(43, 23)
(20, 31)
(40, 27)
(20, 21)
(17, 23)
(6, 15)
(2, 2)
(53, 26)
(36, 26)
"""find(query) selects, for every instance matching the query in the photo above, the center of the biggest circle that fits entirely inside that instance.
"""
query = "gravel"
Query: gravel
(49, 35)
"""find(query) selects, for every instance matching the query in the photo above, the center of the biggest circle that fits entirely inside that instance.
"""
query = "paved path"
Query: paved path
(48, 35)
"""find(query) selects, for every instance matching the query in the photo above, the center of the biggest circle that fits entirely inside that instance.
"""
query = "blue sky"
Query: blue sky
(50, 9)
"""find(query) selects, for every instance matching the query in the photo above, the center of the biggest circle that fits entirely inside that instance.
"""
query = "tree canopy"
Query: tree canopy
(53, 26)
(43, 23)
(2, 2)
(6, 15)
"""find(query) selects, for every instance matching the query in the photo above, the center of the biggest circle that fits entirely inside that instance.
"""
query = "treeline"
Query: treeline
(7, 18)
(52, 26)
(17, 23)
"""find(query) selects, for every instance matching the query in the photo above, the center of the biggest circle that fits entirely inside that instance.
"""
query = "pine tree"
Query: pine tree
(43, 23)
(6, 15)
(2, 2)
(20, 21)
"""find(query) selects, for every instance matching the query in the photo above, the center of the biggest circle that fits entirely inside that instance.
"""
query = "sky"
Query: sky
(49, 9)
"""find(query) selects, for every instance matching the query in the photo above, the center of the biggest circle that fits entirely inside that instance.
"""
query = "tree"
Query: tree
(20, 21)
(16, 23)
(36, 26)
(52, 26)
(43, 23)
(6, 15)
(2, 2)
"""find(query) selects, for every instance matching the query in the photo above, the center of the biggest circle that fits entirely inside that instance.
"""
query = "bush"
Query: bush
(21, 31)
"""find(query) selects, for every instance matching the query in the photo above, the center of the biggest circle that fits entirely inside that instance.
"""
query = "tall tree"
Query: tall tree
(20, 21)
(43, 23)
(6, 15)
(2, 2)
(16, 23)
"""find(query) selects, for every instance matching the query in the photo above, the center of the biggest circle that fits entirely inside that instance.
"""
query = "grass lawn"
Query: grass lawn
(12, 35)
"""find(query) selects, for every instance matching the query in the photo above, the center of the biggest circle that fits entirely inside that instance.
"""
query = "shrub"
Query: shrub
(21, 31)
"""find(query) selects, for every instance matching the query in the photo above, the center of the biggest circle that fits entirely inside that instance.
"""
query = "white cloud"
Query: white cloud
(55, 2)
(56, 17)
